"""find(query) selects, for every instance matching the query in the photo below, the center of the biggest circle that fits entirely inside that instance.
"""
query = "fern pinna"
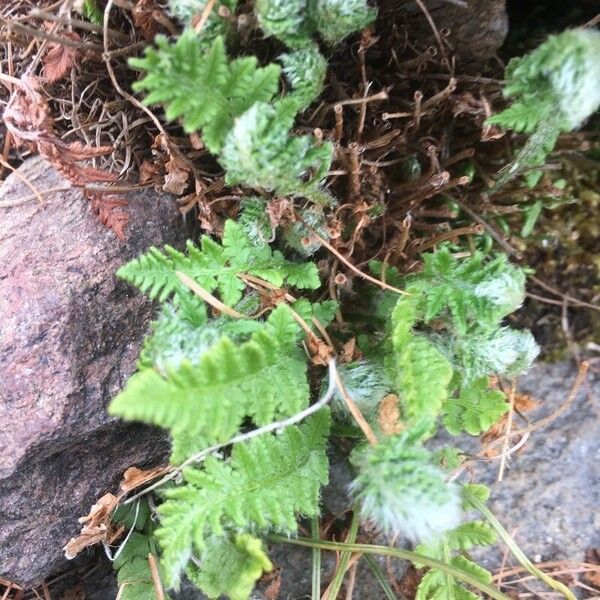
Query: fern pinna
(233, 364)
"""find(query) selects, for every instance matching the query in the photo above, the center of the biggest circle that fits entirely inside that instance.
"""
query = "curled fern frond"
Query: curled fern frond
(285, 20)
(503, 352)
(305, 69)
(366, 383)
(260, 153)
(402, 492)
(337, 19)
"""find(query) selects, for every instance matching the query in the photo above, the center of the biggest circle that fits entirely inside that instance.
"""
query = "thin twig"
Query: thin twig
(107, 61)
(436, 33)
(383, 95)
(23, 179)
(509, 422)
(541, 423)
(355, 411)
(356, 270)
(158, 588)
(208, 297)
(204, 16)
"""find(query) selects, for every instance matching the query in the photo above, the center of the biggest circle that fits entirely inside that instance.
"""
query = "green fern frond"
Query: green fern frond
(265, 484)
(255, 221)
(324, 312)
(504, 351)
(401, 491)
(201, 86)
(263, 378)
(337, 19)
(437, 585)
(216, 267)
(448, 548)
(285, 20)
(305, 69)
(259, 152)
(420, 372)
(468, 292)
(553, 89)
(230, 567)
(475, 410)
(215, 25)
(90, 11)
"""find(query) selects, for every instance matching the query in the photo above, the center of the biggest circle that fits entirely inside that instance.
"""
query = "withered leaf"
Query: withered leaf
(176, 178)
(389, 415)
(134, 477)
(96, 528)
(59, 59)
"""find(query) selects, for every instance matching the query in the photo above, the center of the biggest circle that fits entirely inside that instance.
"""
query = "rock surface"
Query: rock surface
(551, 494)
(475, 31)
(69, 337)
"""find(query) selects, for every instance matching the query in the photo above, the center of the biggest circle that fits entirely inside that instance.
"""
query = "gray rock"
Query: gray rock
(70, 335)
(474, 32)
(551, 494)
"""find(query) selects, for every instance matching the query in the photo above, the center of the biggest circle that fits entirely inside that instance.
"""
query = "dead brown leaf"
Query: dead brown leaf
(592, 556)
(143, 18)
(134, 477)
(389, 415)
(97, 527)
(59, 59)
(350, 352)
(176, 179)
(273, 579)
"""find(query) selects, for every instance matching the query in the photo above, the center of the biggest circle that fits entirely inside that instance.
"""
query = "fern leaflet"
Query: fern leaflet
(437, 585)
(202, 87)
(216, 267)
(475, 410)
(207, 399)
(265, 484)
(230, 567)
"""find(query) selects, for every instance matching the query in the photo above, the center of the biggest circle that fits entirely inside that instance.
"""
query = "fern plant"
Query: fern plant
(232, 367)
(553, 89)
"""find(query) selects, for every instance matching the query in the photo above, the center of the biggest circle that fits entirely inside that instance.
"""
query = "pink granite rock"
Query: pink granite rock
(70, 333)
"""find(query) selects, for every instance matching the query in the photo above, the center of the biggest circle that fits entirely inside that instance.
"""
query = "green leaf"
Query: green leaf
(336, 19)
(263, 378)
(475, 410)
(260, 153)
(437, 584)
(266, 483)
(230, 567)
(305, 69)
(199, 85)
(133, 569)
(216, 268)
